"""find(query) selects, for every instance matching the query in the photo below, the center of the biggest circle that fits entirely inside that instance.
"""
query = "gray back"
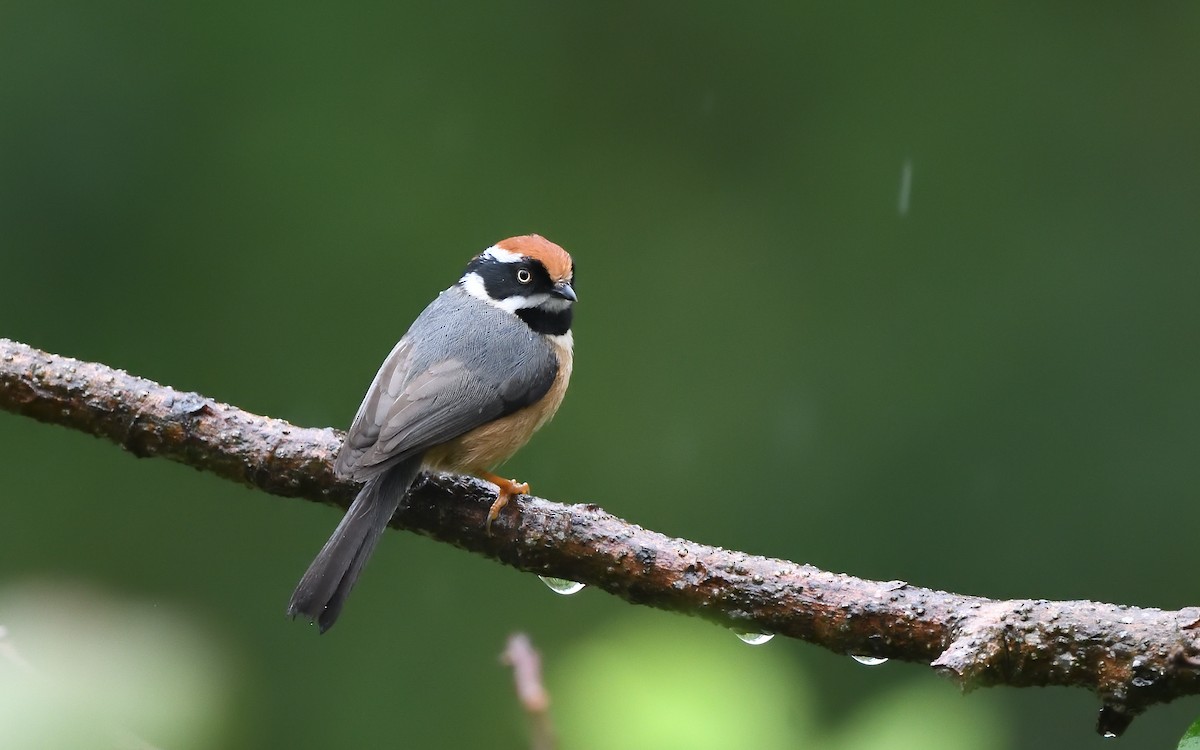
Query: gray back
(463, 363)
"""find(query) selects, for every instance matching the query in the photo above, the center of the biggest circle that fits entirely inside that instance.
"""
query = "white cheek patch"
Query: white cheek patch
(512, 304)
(497, 253)
(474, 286)
(554, 304)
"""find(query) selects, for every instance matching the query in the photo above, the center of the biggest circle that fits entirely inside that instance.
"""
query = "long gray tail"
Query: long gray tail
(325, 585)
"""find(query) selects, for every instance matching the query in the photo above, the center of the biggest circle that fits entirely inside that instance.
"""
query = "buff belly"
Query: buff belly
(494, 443)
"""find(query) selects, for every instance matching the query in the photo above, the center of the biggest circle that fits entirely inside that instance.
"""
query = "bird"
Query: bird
(480, 370)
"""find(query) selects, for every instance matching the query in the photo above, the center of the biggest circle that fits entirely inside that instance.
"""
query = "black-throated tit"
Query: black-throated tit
(479, 371)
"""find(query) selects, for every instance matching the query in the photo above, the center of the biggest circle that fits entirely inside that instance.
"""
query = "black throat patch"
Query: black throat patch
(524, 278)
(549, 322)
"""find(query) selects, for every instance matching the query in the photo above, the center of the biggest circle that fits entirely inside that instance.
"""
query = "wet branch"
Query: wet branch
(1130, 657)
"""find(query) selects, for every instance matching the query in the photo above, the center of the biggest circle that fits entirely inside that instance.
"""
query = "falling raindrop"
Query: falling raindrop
(870, 661)
(902, 203)
(754, 639)
(562, 585)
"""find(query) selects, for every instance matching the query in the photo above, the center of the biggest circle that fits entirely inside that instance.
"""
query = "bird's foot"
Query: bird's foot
(508, 488)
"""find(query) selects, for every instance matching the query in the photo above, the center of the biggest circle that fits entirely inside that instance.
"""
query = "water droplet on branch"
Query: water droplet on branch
(754, 639)
(562, 585)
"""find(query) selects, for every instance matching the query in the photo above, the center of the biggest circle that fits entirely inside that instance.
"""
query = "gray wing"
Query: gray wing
(443, 380)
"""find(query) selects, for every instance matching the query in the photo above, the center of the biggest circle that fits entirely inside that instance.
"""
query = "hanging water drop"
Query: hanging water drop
(562, 585)
(870, 661)
(754, 639)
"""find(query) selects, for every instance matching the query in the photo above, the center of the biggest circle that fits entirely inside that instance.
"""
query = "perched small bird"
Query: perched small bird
(479, 371)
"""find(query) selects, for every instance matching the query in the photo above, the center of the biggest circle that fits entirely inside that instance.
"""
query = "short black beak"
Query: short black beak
(563, 289)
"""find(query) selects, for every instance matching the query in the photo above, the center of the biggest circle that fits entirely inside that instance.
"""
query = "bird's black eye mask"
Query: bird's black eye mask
(523, 278)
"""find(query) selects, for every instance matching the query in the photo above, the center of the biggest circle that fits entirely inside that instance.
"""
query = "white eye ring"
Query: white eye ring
(524, 276)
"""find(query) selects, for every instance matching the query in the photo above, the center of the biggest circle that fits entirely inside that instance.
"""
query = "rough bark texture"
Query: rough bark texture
(1130, 657)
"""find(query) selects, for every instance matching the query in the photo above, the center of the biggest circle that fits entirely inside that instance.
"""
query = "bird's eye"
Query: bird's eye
(524, 276)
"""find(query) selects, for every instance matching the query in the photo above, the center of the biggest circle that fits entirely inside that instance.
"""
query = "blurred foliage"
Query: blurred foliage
(1191, 738)
(679, 684)
(993, 392)
(79, 669)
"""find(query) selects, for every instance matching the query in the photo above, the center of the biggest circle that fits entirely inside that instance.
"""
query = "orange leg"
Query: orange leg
(508, 488)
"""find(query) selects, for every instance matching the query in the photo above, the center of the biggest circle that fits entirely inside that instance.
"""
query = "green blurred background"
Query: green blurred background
(990, 390)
